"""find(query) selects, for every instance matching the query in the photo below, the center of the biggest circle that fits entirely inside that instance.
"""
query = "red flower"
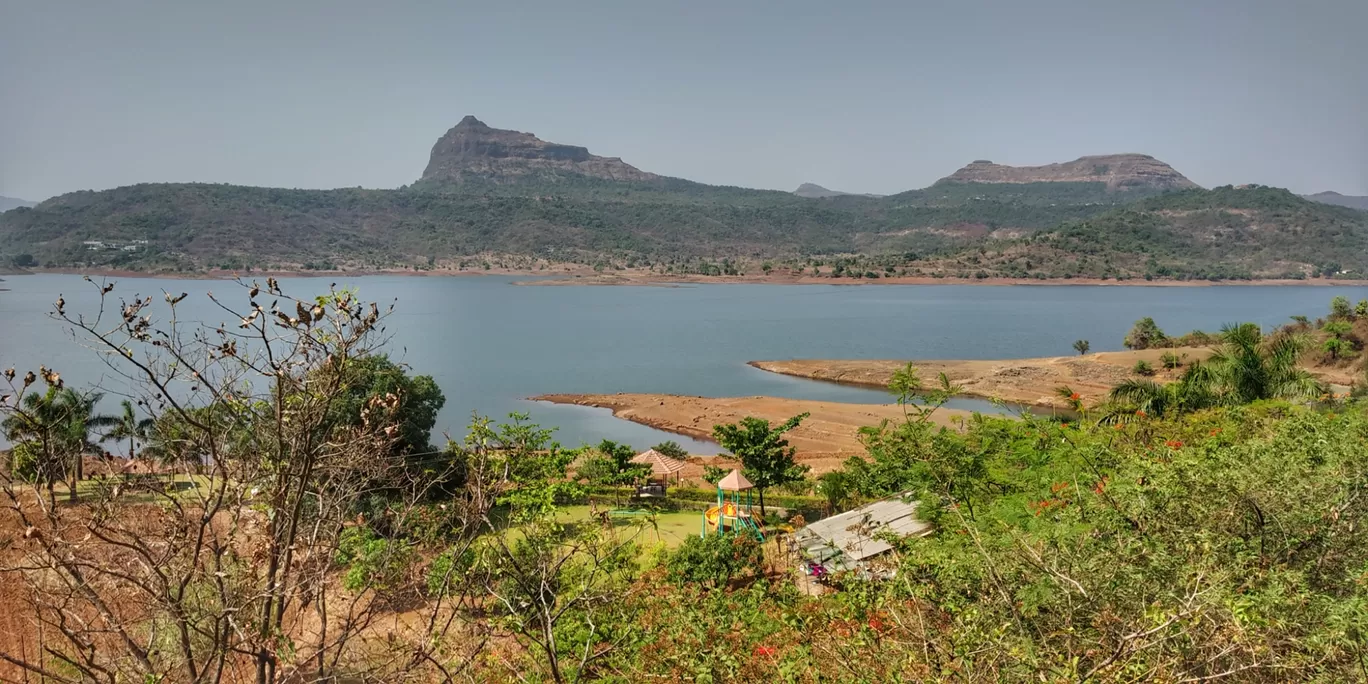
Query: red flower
(1140, 412)
(766, 651)
(1174, 444)
(1074, 397)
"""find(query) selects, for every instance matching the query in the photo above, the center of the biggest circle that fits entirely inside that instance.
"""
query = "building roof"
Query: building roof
(843, 541)
(734, 482)
(660, 463)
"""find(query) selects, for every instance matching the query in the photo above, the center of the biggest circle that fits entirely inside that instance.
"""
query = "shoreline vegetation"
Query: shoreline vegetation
(579, 275)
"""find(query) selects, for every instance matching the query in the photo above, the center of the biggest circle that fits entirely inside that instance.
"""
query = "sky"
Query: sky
(856, 96)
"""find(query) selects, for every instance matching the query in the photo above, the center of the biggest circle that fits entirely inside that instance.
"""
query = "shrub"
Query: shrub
(371, 561)
(1170, 361)
(672, 449)
(1143, 367)
(1145, 334)
(717, 558)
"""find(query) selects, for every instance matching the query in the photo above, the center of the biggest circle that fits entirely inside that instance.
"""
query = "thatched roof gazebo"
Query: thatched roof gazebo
(662, 466)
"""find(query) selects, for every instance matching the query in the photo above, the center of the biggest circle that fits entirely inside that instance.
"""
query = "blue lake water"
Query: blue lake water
(490, 344)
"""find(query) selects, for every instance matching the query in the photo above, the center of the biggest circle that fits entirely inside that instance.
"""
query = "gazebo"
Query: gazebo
(662, 467)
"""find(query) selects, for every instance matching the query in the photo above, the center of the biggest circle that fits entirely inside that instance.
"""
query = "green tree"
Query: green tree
(610, 465)
(1335, 345)
(766, 458)
(1145, 334)
(57, 423)
(128, 426)
(1081, 346)
(1340, 308)
(714, 559)
(1361, 310)
(1245, 368)
(420, 399)
(672, 449)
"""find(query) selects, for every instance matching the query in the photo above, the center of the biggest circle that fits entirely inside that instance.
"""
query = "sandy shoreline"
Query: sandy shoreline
(576, 275)
(1020, 381)
(824, 440)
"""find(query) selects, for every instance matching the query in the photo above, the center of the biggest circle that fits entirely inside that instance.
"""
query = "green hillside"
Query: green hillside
(1223, 233)
(559, 217)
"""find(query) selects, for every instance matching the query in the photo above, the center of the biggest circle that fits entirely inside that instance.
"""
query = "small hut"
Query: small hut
(662, 467)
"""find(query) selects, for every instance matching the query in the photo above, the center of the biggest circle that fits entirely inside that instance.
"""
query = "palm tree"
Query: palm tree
(128, 426)
(1245, 368)
(1253, 367)
(58, 422)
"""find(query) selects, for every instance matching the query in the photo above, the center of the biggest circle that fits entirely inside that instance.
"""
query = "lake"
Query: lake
(491, 344)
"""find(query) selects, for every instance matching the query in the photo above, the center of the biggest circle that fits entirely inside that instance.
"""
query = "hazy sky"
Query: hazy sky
(859, 96)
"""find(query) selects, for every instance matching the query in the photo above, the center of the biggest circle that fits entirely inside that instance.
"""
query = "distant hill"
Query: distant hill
(7, 203)
(490, 194)
(1331, 197)
(1117, 171)
(1218, 234)
(814, 191)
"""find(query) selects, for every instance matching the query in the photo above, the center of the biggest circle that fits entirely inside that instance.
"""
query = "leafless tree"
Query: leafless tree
(221, 566)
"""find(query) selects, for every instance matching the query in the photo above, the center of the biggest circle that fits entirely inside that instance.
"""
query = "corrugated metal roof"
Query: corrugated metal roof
(843, 540)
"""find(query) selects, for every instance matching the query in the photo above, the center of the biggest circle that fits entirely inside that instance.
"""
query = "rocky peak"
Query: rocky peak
(472, 148)
(1118, 171)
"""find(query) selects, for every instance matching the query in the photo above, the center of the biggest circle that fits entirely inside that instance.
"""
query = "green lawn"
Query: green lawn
(672, 527)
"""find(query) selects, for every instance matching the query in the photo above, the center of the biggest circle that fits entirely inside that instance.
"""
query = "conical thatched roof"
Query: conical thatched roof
(660, 463)
(734, 482)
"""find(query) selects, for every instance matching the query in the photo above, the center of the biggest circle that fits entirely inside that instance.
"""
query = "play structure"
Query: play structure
(731, 513)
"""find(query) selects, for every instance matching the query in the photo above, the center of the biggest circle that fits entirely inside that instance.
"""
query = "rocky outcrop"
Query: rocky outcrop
(473, 149)
(1118, 171)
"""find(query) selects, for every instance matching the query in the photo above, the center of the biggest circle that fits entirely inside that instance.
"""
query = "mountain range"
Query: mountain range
(1331, 197)
(7, 203)
(508, 197)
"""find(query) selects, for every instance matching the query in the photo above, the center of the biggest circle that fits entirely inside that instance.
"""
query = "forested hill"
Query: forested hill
(1222, 233)
(491, 192)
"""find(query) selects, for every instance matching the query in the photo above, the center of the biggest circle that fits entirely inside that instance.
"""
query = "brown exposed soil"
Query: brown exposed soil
(1021, 381)
(823, 440)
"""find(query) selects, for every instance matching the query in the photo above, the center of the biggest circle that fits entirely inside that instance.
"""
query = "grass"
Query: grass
(671, 527)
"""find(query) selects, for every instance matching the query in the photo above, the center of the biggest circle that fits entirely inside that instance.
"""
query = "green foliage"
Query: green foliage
(1145, 334)
(672, 449)
(1143, 367)
(1171, 360)
(1245, 368)
(1227, 541)
(369, 561)
(1081, 346)
(27, 464)
(373, 376)
(715, 559)
(1340, 308)
(766, 458)
(713, 474)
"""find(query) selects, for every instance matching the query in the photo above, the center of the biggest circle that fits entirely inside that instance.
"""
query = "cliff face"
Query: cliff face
(1118, 171)
(475, 149)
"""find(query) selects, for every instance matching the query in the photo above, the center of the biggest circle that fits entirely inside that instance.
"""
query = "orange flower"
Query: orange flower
(1074, 397)
(1140, 412)
(1215, 432)
(1174, 444)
